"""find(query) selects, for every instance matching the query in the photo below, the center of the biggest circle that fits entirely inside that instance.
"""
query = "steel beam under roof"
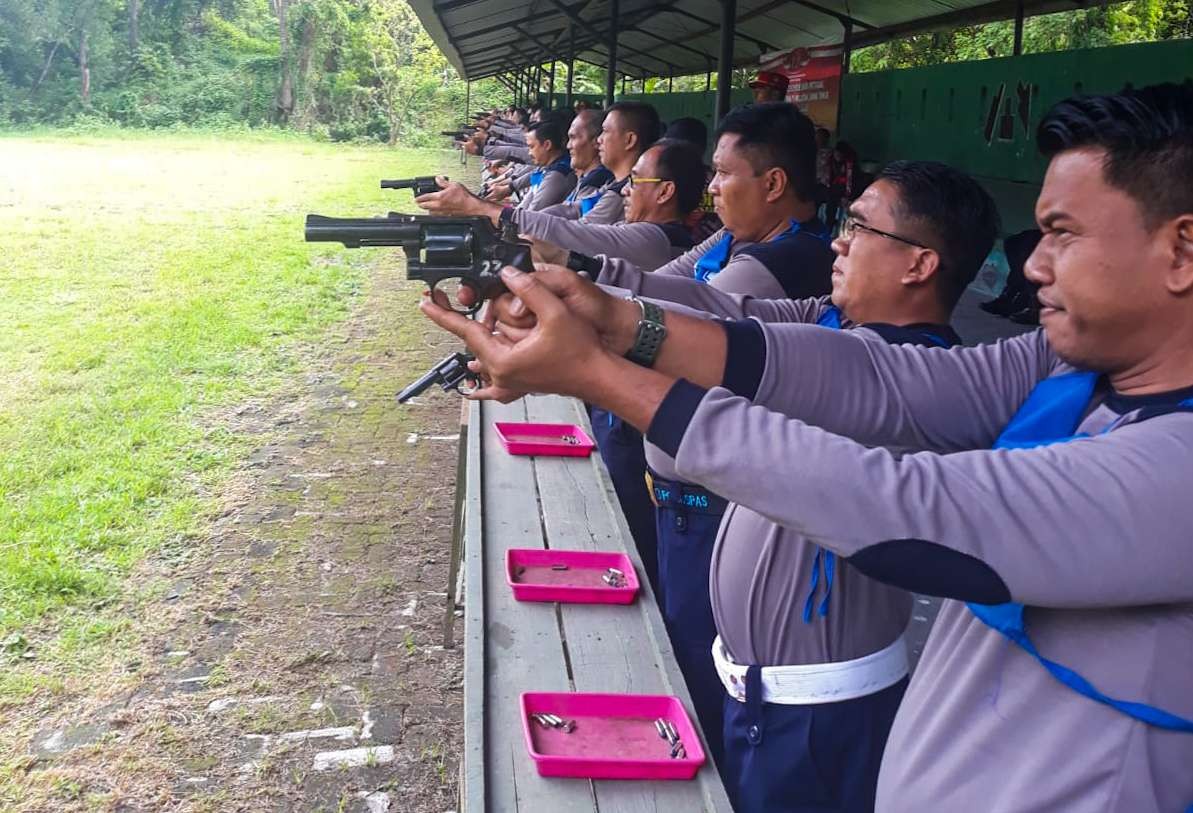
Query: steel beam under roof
(677, 37)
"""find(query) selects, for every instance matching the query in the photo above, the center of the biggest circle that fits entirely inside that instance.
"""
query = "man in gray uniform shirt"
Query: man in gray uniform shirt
(668, 177)
(823, 640)
(591, 174)
(1057, 675)
(629, 128)
(551, 179)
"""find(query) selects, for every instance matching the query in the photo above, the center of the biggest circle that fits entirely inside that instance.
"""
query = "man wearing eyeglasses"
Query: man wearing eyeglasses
(771, 245)
(787, 612)
(628, 130)
(1047, 499)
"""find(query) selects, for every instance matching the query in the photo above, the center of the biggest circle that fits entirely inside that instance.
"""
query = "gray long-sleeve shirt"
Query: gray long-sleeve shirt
(796, 267)
(760, 574)
(647, 245)
(1092, 535)
(608, 210)
(554, 187)
(506, 152)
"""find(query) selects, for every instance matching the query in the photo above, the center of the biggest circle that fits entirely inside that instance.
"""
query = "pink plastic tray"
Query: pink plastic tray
(530, 573)
(555, 439)
(614, 736)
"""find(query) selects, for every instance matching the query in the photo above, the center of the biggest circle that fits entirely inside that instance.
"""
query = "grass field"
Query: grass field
(144, 282)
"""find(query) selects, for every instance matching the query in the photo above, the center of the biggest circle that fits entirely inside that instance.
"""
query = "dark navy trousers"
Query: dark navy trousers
(621, 448)
(687, 518)
(805, 759)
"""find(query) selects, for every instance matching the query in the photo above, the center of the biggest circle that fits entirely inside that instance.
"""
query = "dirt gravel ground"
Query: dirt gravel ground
(295, 661)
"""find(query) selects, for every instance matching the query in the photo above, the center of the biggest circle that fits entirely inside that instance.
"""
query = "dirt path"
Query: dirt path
(296, 660)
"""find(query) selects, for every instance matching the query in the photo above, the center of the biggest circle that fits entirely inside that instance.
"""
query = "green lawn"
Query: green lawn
(145, 281)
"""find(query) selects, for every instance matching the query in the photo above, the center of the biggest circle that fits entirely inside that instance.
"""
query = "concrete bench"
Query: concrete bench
(512, 647)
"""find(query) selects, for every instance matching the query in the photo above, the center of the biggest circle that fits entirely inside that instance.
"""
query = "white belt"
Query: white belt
(817, 682)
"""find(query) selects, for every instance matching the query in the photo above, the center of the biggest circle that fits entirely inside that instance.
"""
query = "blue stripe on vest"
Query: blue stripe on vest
(1051, 414)
(831, 318)
(563, 165)
(713, 261)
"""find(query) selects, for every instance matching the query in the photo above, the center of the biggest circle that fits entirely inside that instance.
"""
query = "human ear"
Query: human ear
(1180, 275)
(923, 269)
(666, 191)
(776, 184)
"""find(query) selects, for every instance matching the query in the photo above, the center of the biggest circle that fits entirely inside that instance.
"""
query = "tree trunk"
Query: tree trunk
(306, 48)
(134, 26)
(84, 71)
(45, 69)
(285, 97)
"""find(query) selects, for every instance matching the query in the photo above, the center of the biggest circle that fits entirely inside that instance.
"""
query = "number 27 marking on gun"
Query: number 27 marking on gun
(439, 250)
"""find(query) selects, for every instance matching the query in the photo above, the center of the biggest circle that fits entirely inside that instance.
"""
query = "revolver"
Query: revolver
(449, 374)
(422, 185)
(464, 250)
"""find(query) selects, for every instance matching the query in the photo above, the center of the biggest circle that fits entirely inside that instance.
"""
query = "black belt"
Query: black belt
(679, 496)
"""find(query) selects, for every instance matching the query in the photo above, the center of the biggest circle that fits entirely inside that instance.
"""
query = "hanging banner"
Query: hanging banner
(815, 76)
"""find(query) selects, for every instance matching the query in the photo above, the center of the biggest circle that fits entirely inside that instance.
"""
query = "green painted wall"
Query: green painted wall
(943, 112)
(697, 104)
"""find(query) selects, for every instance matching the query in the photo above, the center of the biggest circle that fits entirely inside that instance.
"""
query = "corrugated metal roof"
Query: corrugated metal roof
(658, 38)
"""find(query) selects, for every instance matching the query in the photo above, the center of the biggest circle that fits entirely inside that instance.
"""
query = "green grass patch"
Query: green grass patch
(144, 282)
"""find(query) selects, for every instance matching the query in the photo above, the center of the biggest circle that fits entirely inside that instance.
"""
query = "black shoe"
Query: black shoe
(1027, 316)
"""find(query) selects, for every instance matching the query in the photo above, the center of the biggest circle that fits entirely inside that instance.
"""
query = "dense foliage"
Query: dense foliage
(344, 69)
(1114, 24)
(365, 69)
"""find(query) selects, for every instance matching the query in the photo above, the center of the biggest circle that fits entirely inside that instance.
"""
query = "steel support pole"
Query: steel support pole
(551, 87)
(847, 51)
(1018, 28)
(571, 62)
(725, 65)
(611, 76)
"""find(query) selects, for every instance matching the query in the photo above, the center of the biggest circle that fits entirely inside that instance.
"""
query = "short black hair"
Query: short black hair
(959, 216)
(593, 118)
(776, 134)
(1148, 138)
(550, 129)
(639, 118)
(680, 162)
(691, 130)
(520, 115)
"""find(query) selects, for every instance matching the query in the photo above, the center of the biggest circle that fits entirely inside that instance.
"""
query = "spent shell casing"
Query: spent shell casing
(659, 727)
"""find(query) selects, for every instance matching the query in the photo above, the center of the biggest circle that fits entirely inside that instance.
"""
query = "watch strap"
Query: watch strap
(651, 332)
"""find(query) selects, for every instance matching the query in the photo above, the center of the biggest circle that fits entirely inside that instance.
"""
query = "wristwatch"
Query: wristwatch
(582, 263)
(651, 332)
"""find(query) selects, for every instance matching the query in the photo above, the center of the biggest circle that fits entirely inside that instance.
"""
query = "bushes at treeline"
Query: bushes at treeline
(340, 69)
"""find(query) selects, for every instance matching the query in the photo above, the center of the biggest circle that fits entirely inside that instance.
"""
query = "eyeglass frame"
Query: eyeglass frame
(851, 224)
(634, 180)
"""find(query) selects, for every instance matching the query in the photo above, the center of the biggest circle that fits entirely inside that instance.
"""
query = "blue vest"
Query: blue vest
(831, 318)
(1051, 414)
(563, 165)
(594, 178)
(713, 261)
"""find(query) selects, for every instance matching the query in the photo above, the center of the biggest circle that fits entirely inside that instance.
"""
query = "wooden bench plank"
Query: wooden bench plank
(523, 647)
(472, 764)
(612, 648)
